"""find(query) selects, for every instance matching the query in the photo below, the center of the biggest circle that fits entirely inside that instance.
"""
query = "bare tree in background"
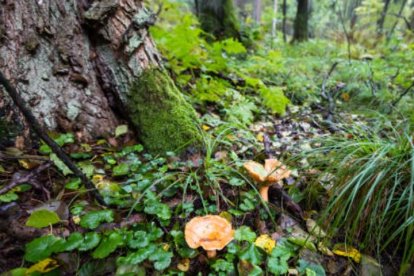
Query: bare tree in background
(301, 21)
(257, 11)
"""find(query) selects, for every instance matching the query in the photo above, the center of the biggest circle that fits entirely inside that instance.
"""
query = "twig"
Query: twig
(16, 181)
(406, 91)
(407, 23)
(38, 129)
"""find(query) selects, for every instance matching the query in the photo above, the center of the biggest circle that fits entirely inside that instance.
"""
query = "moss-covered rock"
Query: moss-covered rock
(166, 121)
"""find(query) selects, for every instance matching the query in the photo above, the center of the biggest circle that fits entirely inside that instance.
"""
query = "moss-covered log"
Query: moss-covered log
(165, 120)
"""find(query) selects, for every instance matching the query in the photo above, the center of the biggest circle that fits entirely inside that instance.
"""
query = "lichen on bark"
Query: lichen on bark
(166, 121)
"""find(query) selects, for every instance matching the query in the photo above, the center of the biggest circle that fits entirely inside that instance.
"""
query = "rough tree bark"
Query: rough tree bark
(84, 66)
(301, 21)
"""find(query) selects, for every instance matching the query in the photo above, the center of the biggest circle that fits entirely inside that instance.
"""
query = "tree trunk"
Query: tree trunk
(85, 66)
(301, 21)
(284, 10)
(218, 17)
(257, 11)
(381, 20)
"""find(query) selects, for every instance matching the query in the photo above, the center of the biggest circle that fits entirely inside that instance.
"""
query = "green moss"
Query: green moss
(166, 122)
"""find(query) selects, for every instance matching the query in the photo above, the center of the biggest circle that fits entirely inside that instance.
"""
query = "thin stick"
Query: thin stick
(38, 129)
(24, 179)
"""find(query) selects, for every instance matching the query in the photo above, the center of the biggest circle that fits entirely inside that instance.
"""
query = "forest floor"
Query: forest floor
(51, 220)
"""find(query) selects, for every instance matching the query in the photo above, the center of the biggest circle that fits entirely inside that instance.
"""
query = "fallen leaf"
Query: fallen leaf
(205, 127)
(121, 130)
(43, 266)
(184, 265)
(265, 242)
(347, 251)
(314, 228)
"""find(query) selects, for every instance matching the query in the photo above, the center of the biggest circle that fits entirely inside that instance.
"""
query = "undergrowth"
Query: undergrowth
(370, 188)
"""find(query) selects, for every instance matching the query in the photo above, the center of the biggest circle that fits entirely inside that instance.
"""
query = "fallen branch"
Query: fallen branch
(18, 179)
(38, 129)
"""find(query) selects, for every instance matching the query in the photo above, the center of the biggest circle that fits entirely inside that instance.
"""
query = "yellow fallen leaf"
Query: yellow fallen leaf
(259, 137)
(166, 246)
(265, 242)
(345, 97)
(97, 178)
(43, 266)
(347, 251)
(27, 164)
(205, 127)
(76, 219)
(184, 265)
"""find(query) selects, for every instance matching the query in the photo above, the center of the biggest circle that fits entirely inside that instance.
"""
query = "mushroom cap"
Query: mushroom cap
(210, 232)
(256, 171)
(276, 170)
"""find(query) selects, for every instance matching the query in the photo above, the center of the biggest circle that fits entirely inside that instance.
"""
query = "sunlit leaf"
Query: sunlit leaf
(42, 218)
(43, 266)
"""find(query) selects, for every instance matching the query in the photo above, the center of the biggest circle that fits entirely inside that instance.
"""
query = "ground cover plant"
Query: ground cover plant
(275, 147)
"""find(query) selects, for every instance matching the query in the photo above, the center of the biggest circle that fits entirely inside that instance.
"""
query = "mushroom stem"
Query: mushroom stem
(264, 192)
(211, 253)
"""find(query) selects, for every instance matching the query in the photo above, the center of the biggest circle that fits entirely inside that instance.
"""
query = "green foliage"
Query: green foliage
(371, 200)
(42, 218)
(92, 219)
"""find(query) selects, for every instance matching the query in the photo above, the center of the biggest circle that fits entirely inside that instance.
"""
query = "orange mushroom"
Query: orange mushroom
(273, 171)
(210, 232)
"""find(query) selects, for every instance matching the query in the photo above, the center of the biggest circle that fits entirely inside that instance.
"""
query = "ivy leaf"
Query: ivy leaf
(90, 241)
(161, 259)
(42, 218)
(277, 263)
(244, 233)
(73, 184)
(72, 242)
(108, 245)
(251, 254)
(40, 248)
(120, 170)
(92, 219)
(223, 265)
(181, 245)
(137, 257)
(161, 210)
(310, 269)
(138, 239)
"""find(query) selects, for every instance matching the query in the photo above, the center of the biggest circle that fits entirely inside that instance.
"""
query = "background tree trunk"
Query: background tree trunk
(301, 21)
(284, 10)
(257, 11)
(79, 64)
(218, 17)
(381, 20)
